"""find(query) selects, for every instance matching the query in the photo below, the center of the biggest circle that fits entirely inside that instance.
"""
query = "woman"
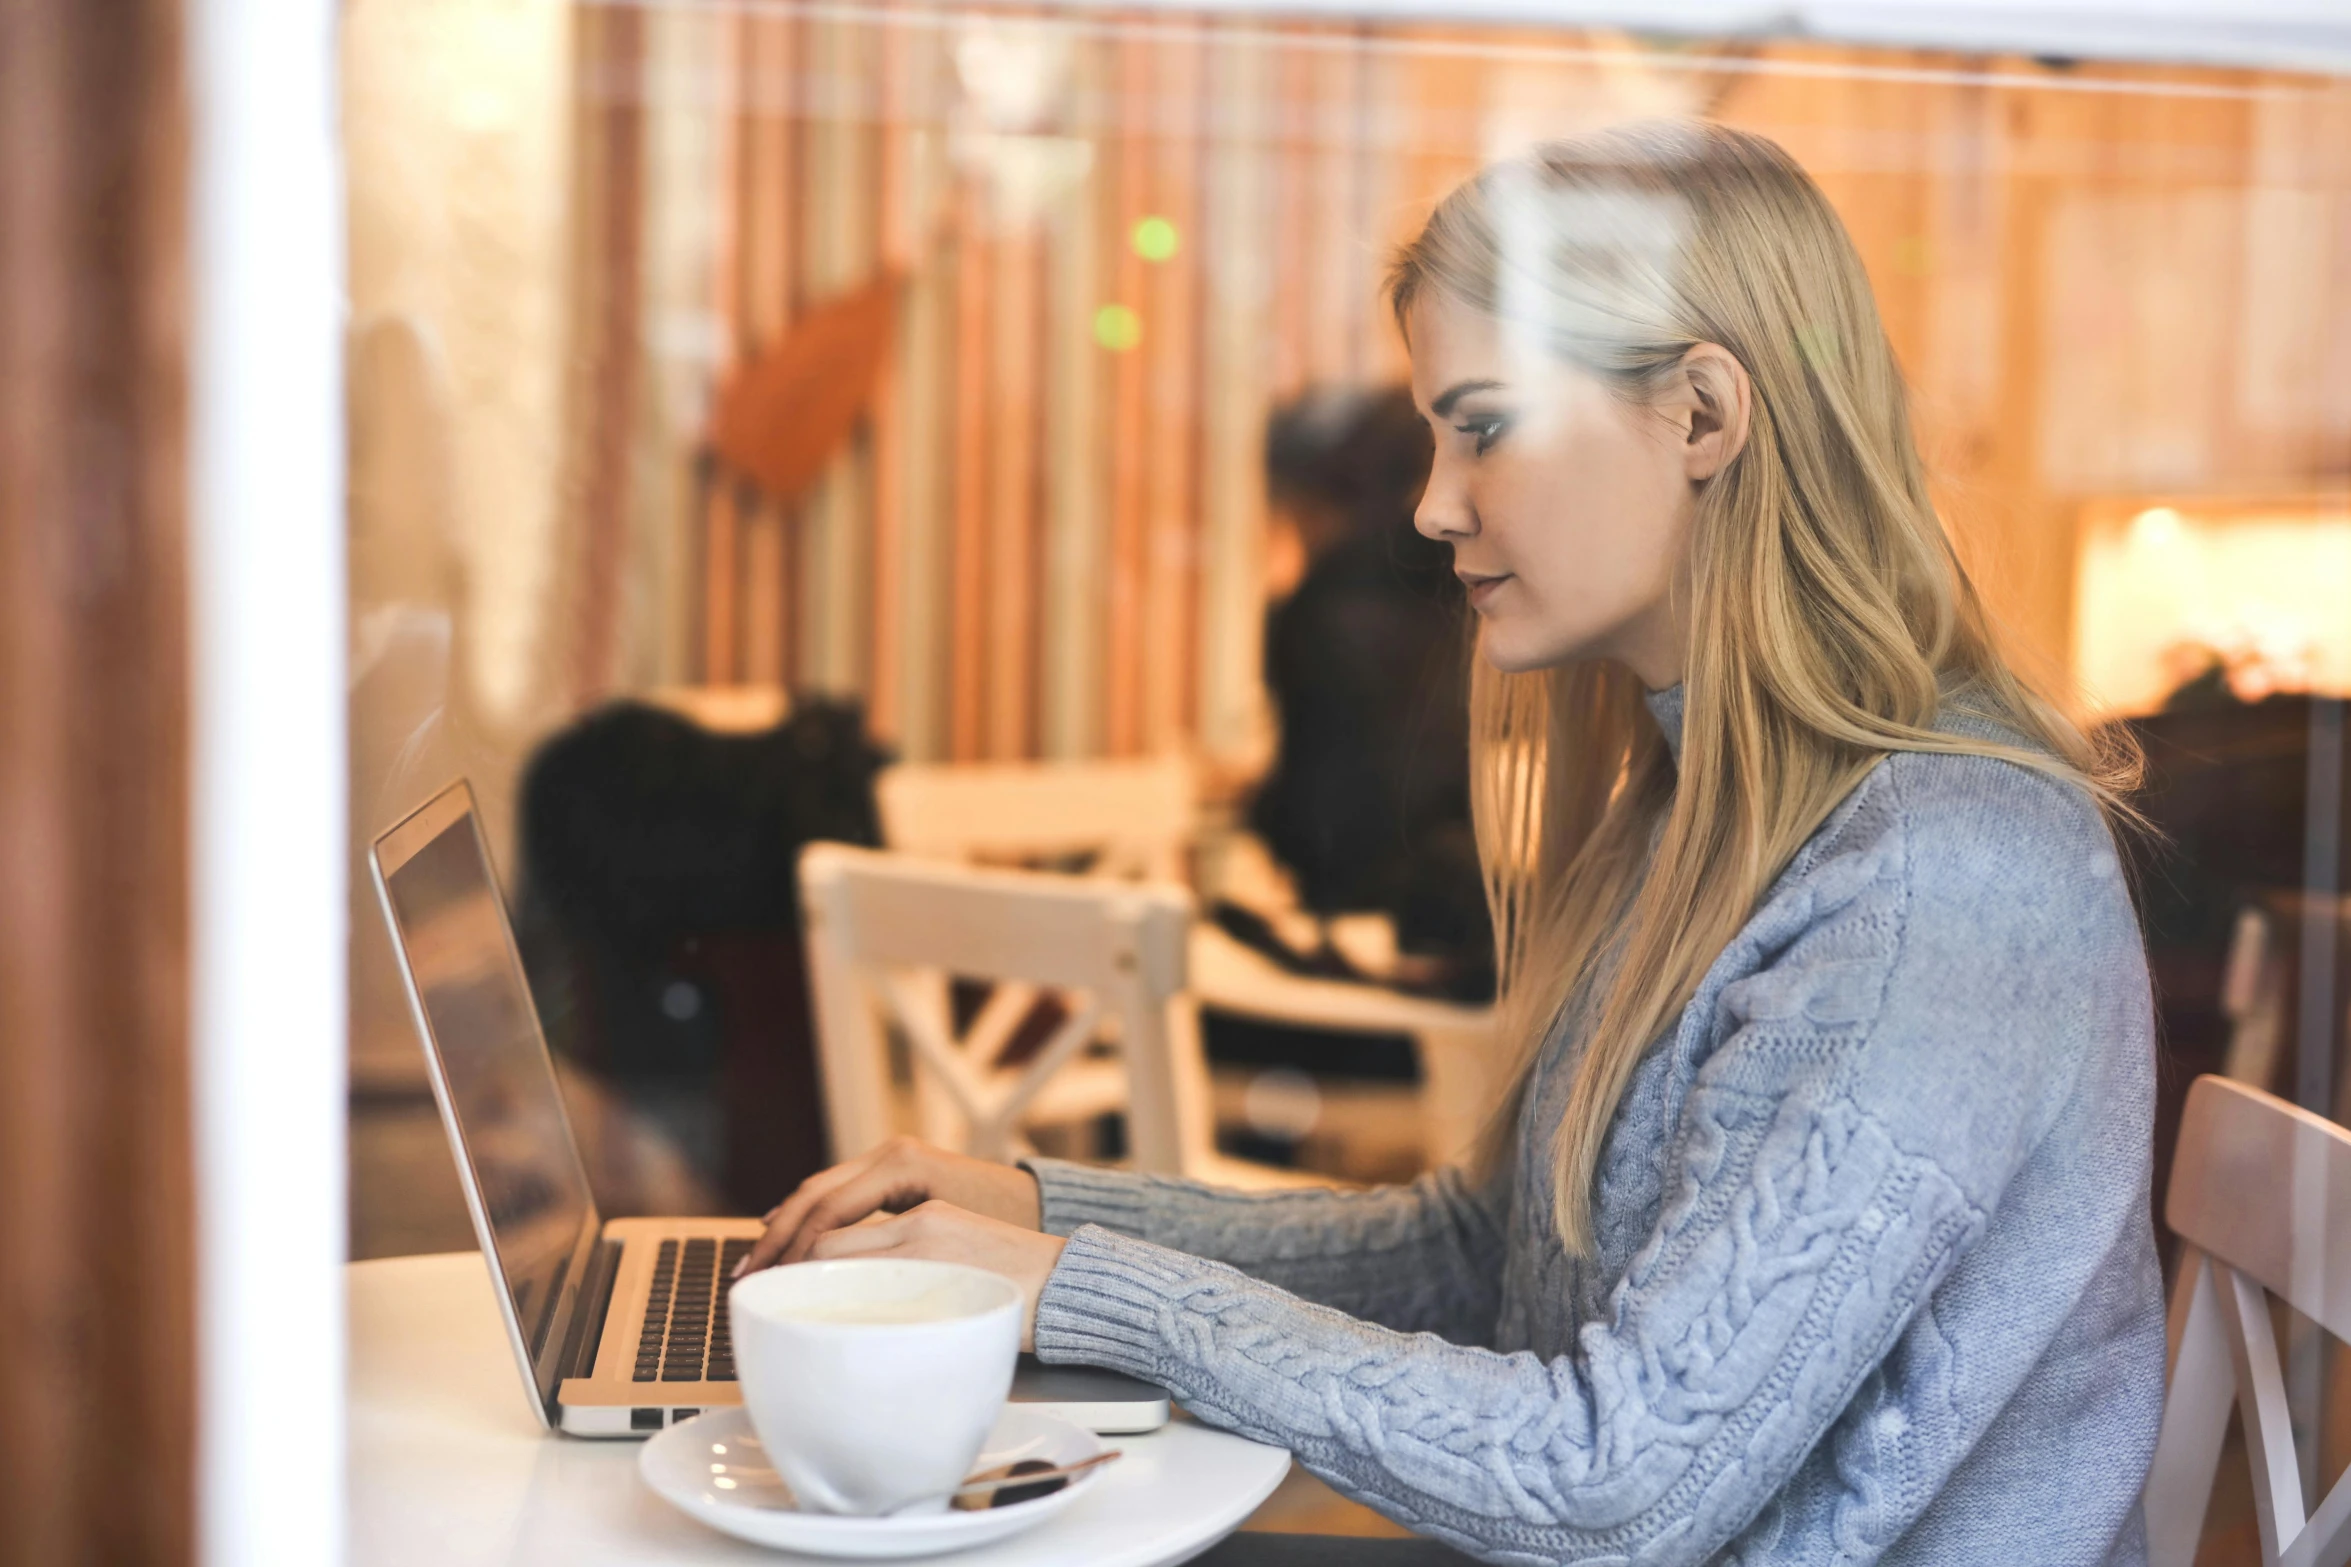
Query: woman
(1816, 1227)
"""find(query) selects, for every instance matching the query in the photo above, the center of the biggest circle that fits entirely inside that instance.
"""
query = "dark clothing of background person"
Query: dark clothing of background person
(1367, 803)
(659, 920)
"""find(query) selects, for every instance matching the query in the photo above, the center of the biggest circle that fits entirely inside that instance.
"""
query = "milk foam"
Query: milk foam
(931, 1306)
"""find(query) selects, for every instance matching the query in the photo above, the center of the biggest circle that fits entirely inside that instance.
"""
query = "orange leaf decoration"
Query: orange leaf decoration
(779, 417)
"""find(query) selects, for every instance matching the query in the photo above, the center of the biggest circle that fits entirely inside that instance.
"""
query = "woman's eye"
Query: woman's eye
(1487, 431)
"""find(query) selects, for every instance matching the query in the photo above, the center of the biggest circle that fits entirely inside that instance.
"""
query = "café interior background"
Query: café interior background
(1069, 262)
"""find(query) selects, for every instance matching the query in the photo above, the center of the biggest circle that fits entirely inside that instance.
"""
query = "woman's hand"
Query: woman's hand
(900, 1175)
(942, 1232)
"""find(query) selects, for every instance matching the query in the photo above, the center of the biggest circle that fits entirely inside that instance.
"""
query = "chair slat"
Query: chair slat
(2325, 1541)
(2195, 1418)
(2266, 1186)
(2261, 1408)
(2261, 1192)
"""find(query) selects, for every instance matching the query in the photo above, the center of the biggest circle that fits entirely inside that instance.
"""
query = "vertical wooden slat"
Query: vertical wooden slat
(618, 36)
(718, 562)
(1171, 450)
(766, 591)
(1013, 598)
(896, 249)
(1292, 235)
(768, 223)
(2022, 529)
(1125, 198)
(97, 1272)
(1077, 434)
(1956, 379)
(1421, 128)
(927, 566)
(1340, 84)
(722, 572)
(769, 229)
(968, 645)
(1379, 221)
(925, 355)
(840, 221)
(1236, 271)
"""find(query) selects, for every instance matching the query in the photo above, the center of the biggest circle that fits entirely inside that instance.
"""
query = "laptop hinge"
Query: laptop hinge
(587, 1318)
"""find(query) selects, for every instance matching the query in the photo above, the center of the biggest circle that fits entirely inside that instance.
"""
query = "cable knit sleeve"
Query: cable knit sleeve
(1420, 1258)
(1869, 1065)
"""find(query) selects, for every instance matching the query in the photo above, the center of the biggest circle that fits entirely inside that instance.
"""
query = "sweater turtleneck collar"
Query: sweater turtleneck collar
(1666, 707)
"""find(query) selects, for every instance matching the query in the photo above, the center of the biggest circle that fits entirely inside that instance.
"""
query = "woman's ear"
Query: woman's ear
(1714, 398)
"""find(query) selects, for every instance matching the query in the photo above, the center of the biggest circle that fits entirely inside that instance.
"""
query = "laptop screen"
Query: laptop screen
(494, 1062)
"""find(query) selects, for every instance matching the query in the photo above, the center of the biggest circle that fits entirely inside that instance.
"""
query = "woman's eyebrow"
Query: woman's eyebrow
(1443, 406)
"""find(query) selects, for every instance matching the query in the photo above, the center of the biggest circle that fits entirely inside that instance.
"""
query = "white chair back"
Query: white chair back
(1136, 818)
(2261, 1200)
(887, 933)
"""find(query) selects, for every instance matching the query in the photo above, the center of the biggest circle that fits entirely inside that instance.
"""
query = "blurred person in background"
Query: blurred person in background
(1366, 658)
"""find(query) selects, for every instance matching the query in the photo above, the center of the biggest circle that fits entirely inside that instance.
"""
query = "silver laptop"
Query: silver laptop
(619, 1326)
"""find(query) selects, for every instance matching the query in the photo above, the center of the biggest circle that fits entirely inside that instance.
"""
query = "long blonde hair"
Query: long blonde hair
(1829, 619)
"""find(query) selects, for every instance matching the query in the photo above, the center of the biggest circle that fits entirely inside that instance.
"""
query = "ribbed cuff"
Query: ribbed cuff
(1105, 1301)
(1069, 1195)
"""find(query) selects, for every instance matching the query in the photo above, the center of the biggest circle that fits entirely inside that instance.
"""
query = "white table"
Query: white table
(448, 1469)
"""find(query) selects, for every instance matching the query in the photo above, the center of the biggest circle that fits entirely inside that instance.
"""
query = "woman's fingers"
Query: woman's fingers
(888, 1177)
(862, 1240)
(871, 1193)
(784, 1221)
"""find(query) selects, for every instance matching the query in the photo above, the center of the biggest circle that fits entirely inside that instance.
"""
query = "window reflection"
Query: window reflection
(725, 356)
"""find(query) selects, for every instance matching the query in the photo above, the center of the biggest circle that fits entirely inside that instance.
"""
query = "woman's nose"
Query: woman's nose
(1444, 513)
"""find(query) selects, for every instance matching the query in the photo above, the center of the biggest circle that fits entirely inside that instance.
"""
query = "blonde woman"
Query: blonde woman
(1815, 1228)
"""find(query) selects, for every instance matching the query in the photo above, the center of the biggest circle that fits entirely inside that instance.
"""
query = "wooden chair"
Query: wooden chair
(887, 932)
(1137, 819)
(2261, 1200)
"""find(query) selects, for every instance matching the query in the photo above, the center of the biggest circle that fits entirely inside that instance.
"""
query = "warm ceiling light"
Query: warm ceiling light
(2157, 527)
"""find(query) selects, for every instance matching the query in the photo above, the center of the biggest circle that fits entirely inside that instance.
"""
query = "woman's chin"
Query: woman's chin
(1513, 653)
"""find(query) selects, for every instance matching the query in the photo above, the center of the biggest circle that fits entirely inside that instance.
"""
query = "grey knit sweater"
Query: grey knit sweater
(1875, 1279)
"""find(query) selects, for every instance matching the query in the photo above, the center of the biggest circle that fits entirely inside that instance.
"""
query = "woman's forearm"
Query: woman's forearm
(1660, 1439)
(1420, 1258)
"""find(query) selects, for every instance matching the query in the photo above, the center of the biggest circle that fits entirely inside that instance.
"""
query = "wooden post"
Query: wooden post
(97, 1273)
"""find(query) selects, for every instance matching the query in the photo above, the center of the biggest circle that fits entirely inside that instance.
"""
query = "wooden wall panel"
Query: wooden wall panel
(2096, 278)
(97, 1268)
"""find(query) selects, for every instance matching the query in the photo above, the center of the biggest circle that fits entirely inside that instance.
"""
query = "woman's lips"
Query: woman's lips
(1481, 588)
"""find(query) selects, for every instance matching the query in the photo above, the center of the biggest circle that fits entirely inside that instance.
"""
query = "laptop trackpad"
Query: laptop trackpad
(1099, 1400)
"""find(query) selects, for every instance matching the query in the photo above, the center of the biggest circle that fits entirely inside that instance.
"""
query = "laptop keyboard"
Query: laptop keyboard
(686, 1337)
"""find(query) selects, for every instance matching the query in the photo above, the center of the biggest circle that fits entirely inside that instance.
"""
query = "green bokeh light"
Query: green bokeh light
(1154, 238)
(1117, 327)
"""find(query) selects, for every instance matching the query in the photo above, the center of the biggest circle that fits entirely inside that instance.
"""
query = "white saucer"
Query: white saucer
(713, 1469)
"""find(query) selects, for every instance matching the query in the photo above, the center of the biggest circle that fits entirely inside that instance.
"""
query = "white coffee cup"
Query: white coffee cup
(872, 1382)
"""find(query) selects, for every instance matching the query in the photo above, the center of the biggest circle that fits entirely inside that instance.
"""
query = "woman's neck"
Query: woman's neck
(1666, 707)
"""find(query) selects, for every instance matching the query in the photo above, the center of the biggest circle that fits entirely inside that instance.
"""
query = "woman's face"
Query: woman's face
(1568, 508)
